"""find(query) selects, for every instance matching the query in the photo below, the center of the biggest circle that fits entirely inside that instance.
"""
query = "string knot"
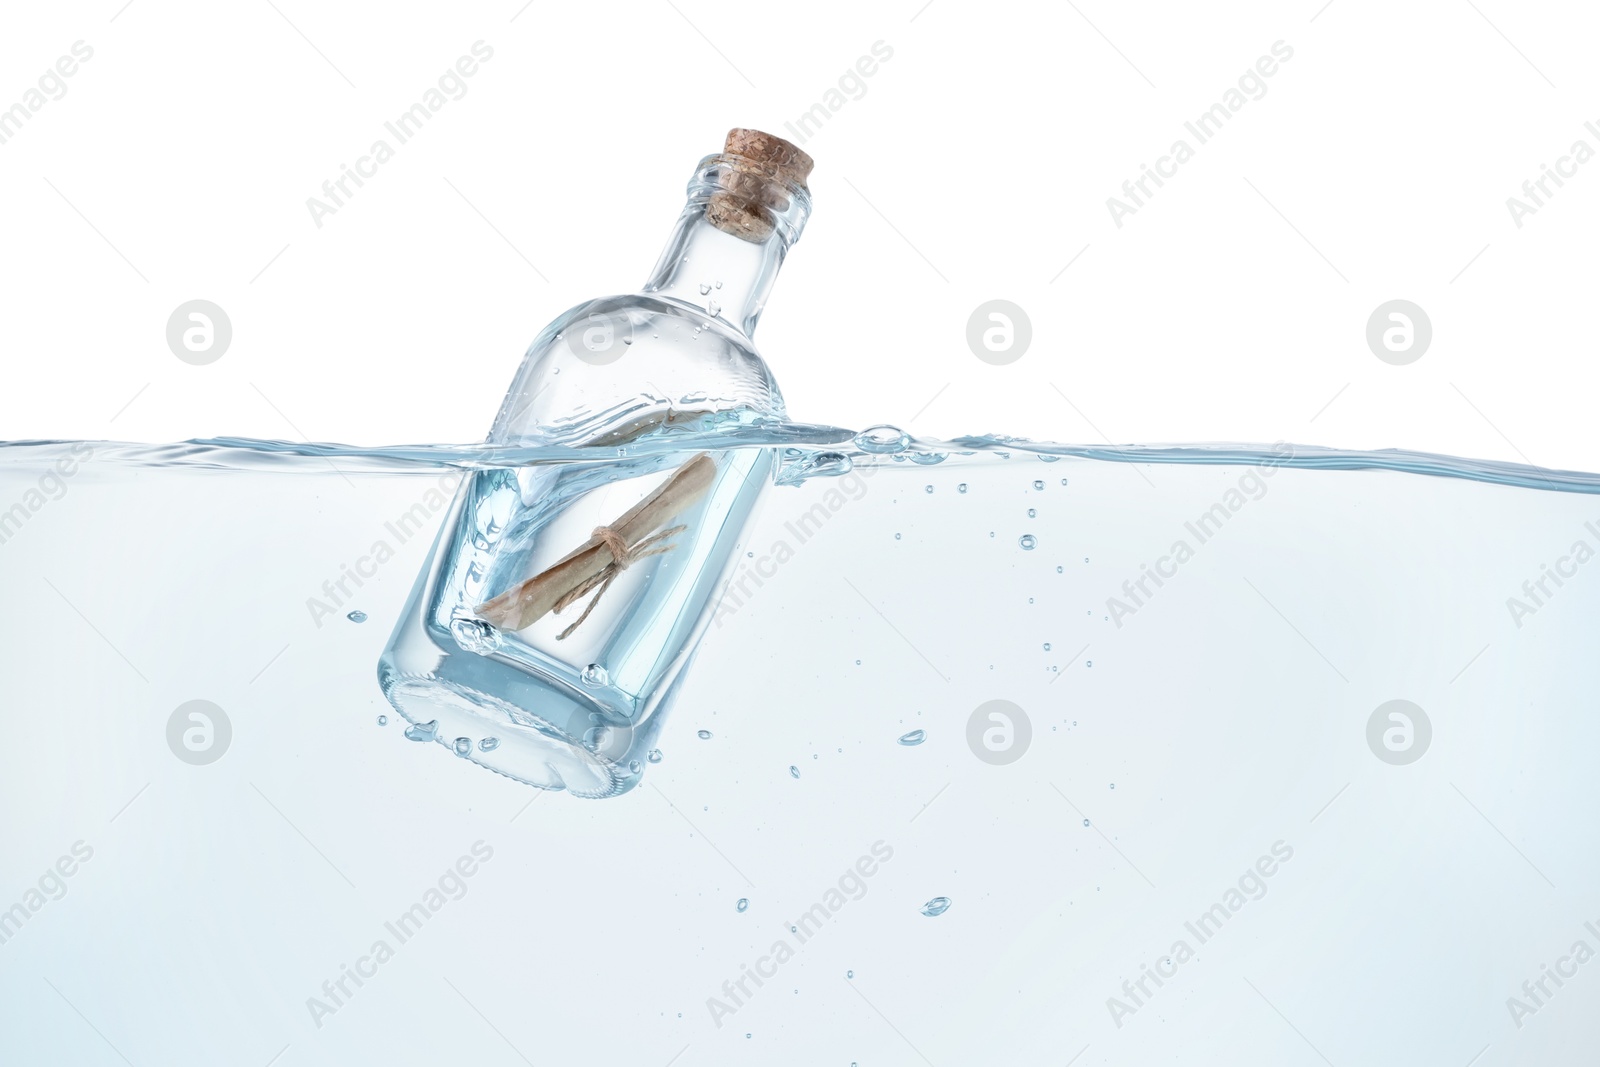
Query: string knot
(623, 556)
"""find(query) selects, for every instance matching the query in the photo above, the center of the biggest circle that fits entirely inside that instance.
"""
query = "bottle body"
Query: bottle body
(578, 705)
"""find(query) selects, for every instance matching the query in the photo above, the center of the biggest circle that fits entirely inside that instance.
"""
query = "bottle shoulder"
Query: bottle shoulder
(624, 360)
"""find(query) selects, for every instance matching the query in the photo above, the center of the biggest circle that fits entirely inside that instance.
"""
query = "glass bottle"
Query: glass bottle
(575, 698)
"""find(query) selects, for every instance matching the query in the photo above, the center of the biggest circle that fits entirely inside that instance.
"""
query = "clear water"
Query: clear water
(1328, 779)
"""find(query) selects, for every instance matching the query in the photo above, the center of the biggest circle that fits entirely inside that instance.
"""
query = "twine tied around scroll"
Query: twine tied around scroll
(610, 550)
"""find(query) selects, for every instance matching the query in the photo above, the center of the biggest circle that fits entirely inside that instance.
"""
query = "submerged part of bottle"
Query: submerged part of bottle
(561, 604)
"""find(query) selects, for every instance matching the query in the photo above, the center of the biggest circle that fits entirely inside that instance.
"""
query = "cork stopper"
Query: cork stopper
(759, 168)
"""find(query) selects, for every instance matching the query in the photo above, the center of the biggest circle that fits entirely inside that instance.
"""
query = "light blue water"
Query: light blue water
(1307, 735)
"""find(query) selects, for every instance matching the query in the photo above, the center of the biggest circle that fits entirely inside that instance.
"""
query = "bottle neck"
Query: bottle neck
(727, 247)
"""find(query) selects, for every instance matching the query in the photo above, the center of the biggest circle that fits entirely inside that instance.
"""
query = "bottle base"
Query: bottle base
(521, 746)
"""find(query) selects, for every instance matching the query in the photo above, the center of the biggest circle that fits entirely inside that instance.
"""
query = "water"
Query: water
(1356, 716)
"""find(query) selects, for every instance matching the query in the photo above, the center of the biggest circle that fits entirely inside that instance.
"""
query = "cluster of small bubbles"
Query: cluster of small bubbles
(357, 616)
(744, 902)
(794, 772)
(654, 756)
(489, 744)
(1027, 541)
(1038, 483)
(704, 735)
(915, 737)
(383, 720)
(423, 731)
(962, 488)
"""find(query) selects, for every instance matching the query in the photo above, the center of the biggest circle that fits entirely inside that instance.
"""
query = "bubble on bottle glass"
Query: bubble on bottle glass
(595, 676)
(714, 307)
(936, 906)
(654, 755)
(1086, 822)
(1060, 570)
(463, 746)
(744, 902)
(383, 720)
(962, 488)
(475, 636)
(1033, 513)
(489, 744)
(882, 440)
(927, 488)
(634, 766)
(915, 737)
(1047, 646)
(357, 616)
(704, 735)
(705, 287)
(1038, 483)
(426, 731)
(1027, 541)
(849, 974)
(794, 772)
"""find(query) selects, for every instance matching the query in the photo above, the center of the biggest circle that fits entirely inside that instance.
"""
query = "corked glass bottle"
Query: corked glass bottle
(562, 602)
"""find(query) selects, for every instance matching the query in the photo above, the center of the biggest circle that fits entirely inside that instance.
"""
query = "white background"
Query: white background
(976, 166)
